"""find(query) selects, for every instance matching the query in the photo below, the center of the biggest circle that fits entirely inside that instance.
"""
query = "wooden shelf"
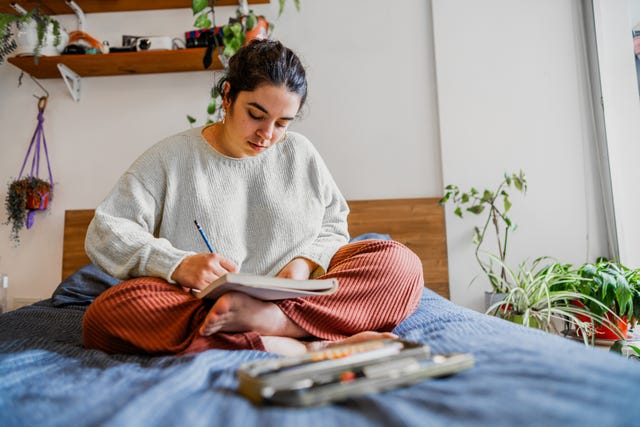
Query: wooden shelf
(113, 64)
(59, 7)
(116, 64)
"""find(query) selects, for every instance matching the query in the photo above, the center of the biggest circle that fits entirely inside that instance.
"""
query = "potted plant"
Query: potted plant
(615, 287)
(228, 39)
(25, 195)
(30, 33)
(541, 295)
(495, 205)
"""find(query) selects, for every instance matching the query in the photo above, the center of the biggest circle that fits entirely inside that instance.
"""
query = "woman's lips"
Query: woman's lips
(257, 147)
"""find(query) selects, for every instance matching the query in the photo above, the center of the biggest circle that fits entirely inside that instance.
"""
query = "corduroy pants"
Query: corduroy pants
(380, 283)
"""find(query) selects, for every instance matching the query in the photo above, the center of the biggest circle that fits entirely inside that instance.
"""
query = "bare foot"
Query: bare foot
(284, 346)
(238, 312)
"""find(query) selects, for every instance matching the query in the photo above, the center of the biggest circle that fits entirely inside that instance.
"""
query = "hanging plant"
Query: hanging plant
(30, 194)
(25, 196)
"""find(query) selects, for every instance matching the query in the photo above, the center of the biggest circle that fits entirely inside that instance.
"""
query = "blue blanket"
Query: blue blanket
(522, 377)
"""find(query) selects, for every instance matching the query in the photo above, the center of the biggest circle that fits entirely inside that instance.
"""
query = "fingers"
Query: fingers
(228, 265)
(198, 271)
(297, 268)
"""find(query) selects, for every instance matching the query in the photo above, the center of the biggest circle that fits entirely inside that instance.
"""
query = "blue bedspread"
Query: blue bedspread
(522, 377)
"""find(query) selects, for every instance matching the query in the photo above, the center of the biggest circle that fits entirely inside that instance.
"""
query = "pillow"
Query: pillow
(83, 286)
(371, 236)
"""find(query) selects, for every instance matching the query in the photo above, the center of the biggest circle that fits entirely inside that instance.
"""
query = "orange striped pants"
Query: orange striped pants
(380, 283)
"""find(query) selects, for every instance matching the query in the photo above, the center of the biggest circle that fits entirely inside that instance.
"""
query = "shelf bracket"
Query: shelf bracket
(72, 80)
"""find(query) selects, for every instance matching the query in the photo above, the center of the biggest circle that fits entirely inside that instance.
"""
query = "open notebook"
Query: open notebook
(268, 288)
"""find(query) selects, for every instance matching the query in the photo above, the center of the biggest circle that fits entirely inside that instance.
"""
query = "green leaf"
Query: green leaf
(444, 199)
(211, 108)
(517, 182)
(477, 209)
(251, 22)
(458, 212)
(198, 5)
(487, 196)
(202, 21)
(588, 270)
(191, 119)
(616, 347)
(507, 204)
(464, 198)
(477, 236)
(473, 191)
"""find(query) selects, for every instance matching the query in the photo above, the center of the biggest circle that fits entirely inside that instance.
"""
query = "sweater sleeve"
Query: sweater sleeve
(334, 232)
(120, 238)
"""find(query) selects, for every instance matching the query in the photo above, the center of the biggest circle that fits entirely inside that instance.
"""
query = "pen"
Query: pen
(204, 236)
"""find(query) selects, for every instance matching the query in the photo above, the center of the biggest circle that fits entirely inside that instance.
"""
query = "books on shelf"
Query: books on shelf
(268, 288)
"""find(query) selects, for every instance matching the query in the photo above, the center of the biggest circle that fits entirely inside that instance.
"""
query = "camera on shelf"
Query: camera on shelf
(153, 43)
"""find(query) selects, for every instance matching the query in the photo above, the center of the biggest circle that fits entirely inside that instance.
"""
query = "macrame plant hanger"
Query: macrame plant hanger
(37, 198)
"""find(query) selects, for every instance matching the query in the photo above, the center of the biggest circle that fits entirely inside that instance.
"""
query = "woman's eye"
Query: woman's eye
(254, 117)
(281, 125)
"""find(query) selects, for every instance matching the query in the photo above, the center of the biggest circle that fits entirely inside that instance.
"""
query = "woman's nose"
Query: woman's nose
(266, 131)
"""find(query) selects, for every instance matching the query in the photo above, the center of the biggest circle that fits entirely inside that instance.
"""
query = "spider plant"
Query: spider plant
(540, 295)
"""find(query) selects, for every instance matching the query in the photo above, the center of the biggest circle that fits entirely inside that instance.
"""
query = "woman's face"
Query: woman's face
(256, 120)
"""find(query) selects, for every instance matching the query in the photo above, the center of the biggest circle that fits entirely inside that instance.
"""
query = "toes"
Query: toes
(212, 324)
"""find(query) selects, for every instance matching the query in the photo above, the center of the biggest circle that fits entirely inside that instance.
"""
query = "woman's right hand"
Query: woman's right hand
(198, 271)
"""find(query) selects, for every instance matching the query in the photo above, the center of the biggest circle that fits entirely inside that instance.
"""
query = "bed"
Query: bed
(521, 376)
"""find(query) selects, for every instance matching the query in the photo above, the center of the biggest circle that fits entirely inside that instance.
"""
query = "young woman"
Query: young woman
(269, 206)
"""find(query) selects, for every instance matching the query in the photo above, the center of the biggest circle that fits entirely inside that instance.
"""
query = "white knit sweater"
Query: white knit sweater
(260, 211)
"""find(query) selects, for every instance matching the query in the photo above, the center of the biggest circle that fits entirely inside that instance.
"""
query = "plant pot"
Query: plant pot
(259, 31)
(602, 331)
(26, 37)
(491, 298)
(518, 318)
(38, 199)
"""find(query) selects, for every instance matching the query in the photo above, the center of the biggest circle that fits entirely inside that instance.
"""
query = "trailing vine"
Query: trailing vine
(7, 40)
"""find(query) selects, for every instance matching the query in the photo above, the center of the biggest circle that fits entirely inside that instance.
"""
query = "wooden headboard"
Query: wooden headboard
(417, 223)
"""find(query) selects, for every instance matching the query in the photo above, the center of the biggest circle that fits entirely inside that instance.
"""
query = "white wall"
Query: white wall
(372, 114)
(614, 21)
(512, 94)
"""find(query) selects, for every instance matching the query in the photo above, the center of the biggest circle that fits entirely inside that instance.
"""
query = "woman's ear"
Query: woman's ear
(226, 101)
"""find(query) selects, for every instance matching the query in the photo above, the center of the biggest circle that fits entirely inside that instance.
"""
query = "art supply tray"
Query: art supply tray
(340, 372)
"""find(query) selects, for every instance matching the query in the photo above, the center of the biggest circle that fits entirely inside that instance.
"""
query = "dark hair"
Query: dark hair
(264, 62)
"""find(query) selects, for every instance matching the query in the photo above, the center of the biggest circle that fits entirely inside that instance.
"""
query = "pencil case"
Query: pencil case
(341, 372)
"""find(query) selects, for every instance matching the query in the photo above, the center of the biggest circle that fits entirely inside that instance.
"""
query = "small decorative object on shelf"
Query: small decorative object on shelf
(30, 194)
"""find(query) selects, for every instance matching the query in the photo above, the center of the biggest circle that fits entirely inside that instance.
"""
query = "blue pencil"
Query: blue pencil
(204, 236)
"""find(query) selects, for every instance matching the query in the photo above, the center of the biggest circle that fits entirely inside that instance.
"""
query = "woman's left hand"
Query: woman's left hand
(298, 268)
